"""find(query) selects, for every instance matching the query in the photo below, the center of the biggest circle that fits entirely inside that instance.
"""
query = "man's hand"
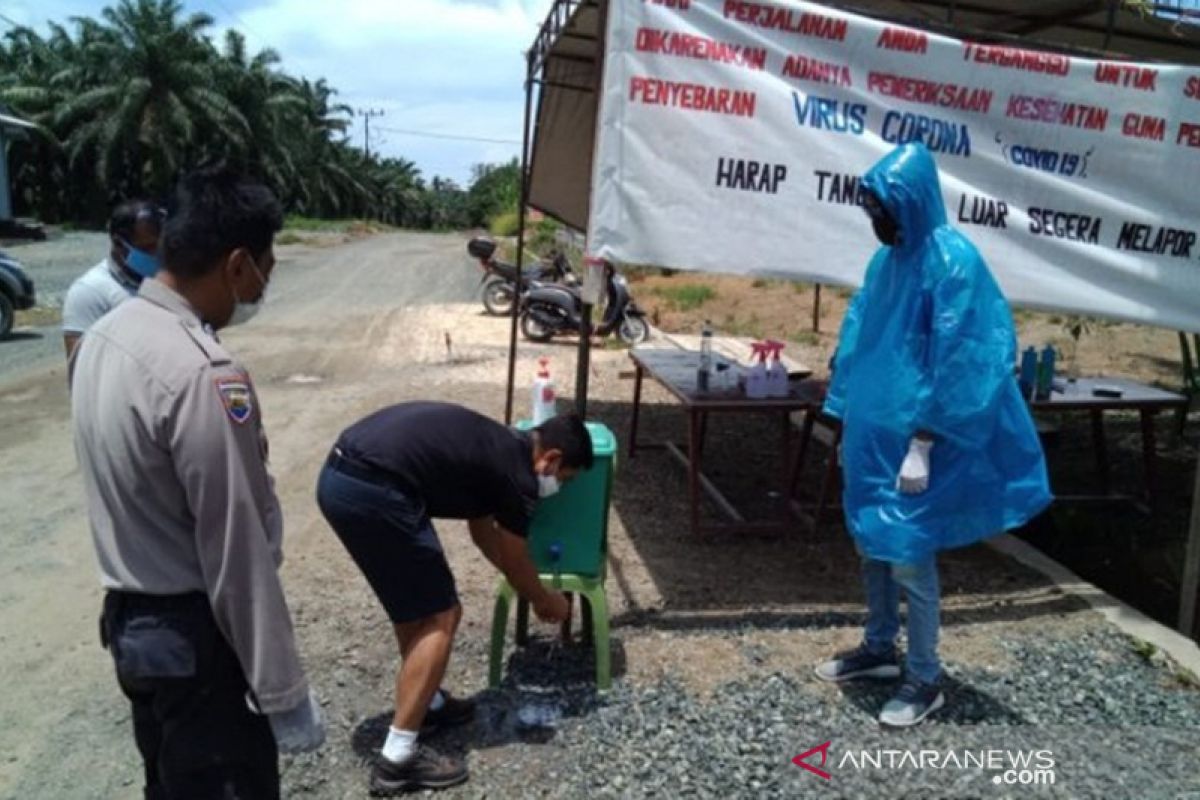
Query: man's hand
(552, 607)
(914, 472)
(300, 730)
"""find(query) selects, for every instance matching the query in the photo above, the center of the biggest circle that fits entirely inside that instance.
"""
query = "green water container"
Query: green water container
(573, 524)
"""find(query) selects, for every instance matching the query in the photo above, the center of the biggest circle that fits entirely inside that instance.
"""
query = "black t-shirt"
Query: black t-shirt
(461, 464)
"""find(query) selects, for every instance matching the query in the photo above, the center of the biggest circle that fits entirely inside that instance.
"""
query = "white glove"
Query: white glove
(301, 729)
(914, 472)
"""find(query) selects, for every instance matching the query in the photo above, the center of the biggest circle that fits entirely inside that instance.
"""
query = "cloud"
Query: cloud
(431, 65)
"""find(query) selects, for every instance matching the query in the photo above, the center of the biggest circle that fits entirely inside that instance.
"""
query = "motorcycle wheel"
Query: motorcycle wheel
(533, 330)
(633, 330)
(498, 298)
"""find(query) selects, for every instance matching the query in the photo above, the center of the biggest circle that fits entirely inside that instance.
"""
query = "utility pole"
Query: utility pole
(366, 115)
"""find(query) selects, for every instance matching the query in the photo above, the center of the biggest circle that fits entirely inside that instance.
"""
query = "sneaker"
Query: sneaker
(857, 664)
(454, 711)
(424, 769)
(913, 703)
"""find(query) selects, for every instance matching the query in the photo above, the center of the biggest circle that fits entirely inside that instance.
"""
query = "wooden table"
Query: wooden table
(675, 369)
(1079, 396)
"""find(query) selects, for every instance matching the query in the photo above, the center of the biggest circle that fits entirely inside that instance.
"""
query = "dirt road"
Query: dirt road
(325, 349)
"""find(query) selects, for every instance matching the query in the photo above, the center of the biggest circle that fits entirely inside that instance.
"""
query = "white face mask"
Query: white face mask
(547, 486)
(243, 311)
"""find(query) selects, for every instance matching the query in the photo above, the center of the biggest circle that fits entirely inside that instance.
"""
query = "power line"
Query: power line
(366, 114)
(436, 135)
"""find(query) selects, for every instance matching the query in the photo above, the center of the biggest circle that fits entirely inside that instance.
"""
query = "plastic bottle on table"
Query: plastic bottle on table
(704, 372)
(1045, 381)
(756, 379)
(1029, 372)
(777, 374)
(545, 403)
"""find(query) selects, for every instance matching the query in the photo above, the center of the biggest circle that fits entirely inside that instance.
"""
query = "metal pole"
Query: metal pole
(817, 310)
(1189, 585)
(583, 362)
(516, 309)
(583, 366)
(366, 115)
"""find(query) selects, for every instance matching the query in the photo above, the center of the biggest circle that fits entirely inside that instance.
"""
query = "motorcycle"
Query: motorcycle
(553, 309)
(499, 280)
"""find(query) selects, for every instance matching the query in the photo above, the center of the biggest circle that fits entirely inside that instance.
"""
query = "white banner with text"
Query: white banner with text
(732, 137)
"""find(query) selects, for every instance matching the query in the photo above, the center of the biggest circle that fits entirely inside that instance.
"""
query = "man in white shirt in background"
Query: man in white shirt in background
(133, 231)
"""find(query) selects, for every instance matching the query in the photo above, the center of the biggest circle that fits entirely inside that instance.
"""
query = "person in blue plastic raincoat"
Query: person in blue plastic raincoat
(938, 448)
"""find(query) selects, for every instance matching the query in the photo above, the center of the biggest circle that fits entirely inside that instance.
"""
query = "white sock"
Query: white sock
(438, 701)
(400, 745)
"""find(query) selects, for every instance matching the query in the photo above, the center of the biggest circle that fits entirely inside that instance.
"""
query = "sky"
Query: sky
(448, 67)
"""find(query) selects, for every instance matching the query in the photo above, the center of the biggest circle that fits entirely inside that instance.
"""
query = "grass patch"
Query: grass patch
(297, 223)
(1144, 649)
(752, 327)
(760, 283)
(38, 316)
(289, 237)
(686, 297)
(807, 338)
(1187, 678)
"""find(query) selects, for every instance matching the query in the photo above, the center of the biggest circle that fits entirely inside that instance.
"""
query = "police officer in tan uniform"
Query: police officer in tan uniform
(183, 513)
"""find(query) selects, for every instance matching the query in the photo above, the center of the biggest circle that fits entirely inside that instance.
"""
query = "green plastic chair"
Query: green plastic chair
(568, 542)
(590, 589)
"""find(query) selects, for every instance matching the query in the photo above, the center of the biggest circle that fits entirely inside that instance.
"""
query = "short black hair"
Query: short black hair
(128, 214)
(213, 212)
(568, 434)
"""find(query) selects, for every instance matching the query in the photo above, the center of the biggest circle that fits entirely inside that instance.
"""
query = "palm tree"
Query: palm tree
(125, 103)
(272, 105)
(36, 80)
(151, 99)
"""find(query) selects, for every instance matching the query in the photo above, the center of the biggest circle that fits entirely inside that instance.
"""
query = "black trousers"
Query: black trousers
(198, 738)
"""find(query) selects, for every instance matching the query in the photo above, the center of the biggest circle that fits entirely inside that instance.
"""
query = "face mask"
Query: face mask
(547, 486)
(244, 312)
(885, 227)
(885, 230)
(139, 261)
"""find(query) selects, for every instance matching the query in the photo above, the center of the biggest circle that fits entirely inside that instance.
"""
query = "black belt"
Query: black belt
(120, 599)
(340, 462)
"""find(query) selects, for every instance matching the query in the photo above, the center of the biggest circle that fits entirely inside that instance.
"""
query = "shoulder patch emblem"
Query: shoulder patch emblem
(236, 397)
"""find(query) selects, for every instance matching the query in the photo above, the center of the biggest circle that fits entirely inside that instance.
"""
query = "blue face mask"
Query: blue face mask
(141, 262)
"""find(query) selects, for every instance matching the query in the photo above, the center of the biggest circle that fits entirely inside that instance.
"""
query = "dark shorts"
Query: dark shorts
(392, 540)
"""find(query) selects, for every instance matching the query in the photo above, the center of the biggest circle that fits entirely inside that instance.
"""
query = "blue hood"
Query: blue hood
(906, 182)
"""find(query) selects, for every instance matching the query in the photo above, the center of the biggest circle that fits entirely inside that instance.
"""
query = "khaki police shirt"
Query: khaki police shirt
(170, 441)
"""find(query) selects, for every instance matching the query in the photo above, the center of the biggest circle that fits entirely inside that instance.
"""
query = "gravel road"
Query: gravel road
(714, 637)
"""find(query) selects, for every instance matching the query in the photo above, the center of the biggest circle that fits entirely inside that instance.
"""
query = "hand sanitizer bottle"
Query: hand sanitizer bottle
(544, 400)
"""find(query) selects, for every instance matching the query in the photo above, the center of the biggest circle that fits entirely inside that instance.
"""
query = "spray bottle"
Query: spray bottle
(544, 400)
(756, 380)
(777, 374)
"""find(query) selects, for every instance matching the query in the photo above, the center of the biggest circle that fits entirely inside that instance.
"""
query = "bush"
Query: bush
(544, 237)
(506, 223)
